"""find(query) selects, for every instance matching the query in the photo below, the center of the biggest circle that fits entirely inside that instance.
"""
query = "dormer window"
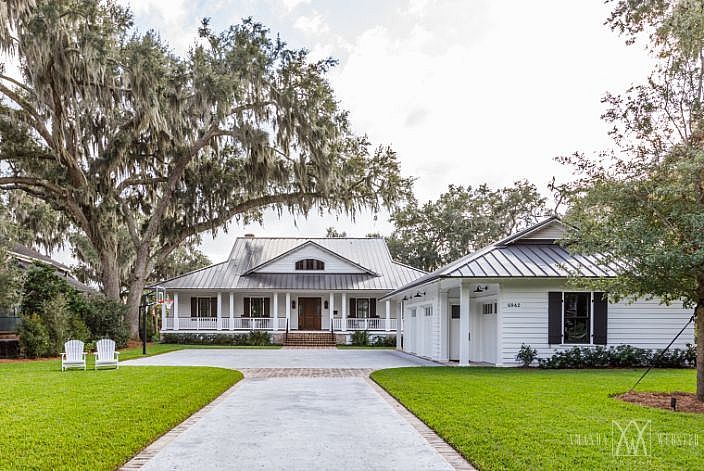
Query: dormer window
(310, 264)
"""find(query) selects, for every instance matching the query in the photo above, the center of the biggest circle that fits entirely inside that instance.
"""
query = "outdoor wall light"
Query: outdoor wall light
(293, 304)
(405, 298)
(480, 289)
(326, 304)
(419, 295)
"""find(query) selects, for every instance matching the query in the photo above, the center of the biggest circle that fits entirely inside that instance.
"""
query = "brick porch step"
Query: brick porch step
(310, 339)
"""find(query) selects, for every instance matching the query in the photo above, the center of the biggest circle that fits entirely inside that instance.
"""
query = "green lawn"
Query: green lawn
(158, 348)
(501, 418)
(95, 419)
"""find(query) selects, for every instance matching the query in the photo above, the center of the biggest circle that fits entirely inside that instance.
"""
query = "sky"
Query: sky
(465, 91)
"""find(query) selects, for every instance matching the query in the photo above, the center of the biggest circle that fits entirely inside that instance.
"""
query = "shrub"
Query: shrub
(61, 323)
(253, 338)
(105, 318)
(526, 355)
(34, 337)
(360, 338)
(622, 356)
(384, 341)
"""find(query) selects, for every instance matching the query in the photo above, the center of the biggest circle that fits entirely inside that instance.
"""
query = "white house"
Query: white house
(291, 284)
(482, 307)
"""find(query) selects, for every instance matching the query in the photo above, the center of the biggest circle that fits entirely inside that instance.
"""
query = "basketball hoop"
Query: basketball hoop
(169, 303)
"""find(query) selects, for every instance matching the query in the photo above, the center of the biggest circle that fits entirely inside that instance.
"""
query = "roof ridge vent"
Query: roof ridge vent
(249, 235)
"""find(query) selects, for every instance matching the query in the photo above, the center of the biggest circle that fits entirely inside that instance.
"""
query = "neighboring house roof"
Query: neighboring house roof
(531, 253)
(371, 266)
(26, 256)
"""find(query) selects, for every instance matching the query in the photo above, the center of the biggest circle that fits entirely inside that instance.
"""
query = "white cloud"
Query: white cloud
(311, 24)
(290, 5)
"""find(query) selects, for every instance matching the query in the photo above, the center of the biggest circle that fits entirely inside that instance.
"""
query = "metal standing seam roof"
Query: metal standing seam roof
(248, 253)
(510, 258)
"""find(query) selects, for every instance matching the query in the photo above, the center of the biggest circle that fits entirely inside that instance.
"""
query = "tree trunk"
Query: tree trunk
(110, 276)
(134, 299)
(699, 340)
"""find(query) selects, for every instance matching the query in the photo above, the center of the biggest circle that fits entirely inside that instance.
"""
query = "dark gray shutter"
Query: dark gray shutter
(194, 307)
(213, 307)
(554, 317)
(246, 307)
(353, 307)
(266, 307)
(600, 313)
(372, 307)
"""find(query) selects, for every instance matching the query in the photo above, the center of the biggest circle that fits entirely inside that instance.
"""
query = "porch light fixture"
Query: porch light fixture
(405, 298)
(479, 289)
(419, 295)
(293, 304)
(326, 304)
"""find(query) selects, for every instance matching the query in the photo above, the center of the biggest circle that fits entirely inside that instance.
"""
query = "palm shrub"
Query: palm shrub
(526, 355)
(360, 338)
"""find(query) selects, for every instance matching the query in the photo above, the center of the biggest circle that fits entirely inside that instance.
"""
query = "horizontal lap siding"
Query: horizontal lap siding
(645, 324)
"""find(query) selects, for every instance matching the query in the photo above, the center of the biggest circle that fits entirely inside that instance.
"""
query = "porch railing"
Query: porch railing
(267, 323)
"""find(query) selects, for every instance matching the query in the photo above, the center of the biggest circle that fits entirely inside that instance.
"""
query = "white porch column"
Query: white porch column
(331, 311)
(288, 310)
(175, 311)
(464, 324)
(399, 325)
(344, 312)
(444, 320)
(275, 312)
(163, 312)
(218, 322)
(388, 315)
(232, 311)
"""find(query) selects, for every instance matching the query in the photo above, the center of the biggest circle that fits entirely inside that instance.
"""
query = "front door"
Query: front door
(309, 313)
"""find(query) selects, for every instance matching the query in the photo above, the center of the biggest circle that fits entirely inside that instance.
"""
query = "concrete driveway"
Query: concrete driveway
(298, 409)
(285, 358)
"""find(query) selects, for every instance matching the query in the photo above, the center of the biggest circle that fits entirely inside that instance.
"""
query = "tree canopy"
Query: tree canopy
(643, 205)
(141, 150)
(462, 220)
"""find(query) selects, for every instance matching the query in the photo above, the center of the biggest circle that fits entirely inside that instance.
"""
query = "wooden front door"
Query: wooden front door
(309, 313)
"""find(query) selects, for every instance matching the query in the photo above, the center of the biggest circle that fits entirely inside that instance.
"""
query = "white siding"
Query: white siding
(554, 230)
(333, 264)
(645, 323)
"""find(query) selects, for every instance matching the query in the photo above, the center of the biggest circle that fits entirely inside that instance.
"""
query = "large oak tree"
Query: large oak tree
(643, 205)
(121, 135)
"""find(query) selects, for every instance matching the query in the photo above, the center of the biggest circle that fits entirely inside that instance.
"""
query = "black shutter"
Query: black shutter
(600, 313)
(246, 307)
(213, 307)
(554, 317)
(353, 307)
(372, 307)
(194, 307)
(266, 307)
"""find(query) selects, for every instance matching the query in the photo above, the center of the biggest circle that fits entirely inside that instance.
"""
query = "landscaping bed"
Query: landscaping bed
(95, 419)
(686, 402)
(516, 419)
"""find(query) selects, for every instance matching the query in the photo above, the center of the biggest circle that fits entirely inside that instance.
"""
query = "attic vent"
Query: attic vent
(249, 236)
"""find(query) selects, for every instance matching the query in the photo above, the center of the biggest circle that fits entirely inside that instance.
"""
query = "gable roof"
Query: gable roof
(522, 256)
(249, 254)
(308, 243)
(26, 256)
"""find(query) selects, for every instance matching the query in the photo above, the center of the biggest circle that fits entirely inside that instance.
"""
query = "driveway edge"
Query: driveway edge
(140, 459)
(450, 455)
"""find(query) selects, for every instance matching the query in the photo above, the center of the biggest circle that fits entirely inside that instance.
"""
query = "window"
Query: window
(489, 308)
(455, 311)
(256, 307)
(204, 307)
(413, 313)
(576, 319)
(428, 311)
(363, 308)
(310, 264)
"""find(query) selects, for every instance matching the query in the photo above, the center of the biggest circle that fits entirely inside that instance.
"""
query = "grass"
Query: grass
(363, 347)
(96, 419)
(158, 348)
(516, 419)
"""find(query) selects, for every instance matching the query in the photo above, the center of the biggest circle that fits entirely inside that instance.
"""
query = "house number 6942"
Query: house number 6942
(513, 305)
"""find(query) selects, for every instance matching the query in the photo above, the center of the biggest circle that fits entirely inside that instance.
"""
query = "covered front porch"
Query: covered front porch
(195, 311)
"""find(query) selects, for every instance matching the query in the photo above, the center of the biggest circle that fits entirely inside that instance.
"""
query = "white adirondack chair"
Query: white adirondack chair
(74, 356)
(105, 354)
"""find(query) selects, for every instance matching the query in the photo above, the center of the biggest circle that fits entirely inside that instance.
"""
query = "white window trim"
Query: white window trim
(249, 314)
